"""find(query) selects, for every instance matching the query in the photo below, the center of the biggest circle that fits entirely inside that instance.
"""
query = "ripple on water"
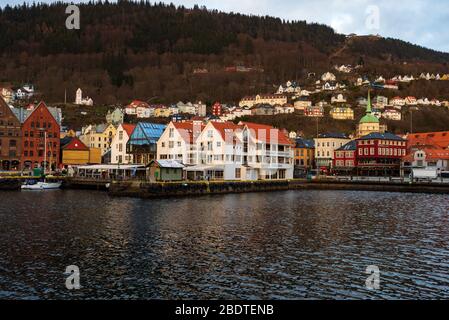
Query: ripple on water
(281, 245)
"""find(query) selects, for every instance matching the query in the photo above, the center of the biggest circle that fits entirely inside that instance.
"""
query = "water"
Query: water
(282, 245)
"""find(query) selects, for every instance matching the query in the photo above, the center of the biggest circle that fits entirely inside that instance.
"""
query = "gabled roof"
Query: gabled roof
(73, 143)
(264, 133)
(138, 103)
(168, 164)
(381, 136)
(23, 114)
(333, 135)
(439, 139)
(350, 146)
(431, 154)
(304, 144)
(188, 130)
(224, 127)
(146, 132)
(129, 128)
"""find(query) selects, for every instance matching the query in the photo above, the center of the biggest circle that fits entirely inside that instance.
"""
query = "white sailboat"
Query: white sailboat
(43, 185)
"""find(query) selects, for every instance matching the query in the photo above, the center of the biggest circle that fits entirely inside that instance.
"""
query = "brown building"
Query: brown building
(41, 139)
(10, 138)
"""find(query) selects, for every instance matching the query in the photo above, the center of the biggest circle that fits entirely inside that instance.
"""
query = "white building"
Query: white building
(226, 151)
(178, 142)
(79, 100)
(392, 114)
(325, 145)
(118, 144)
(328, 76)
(338, 99)
(271, 99)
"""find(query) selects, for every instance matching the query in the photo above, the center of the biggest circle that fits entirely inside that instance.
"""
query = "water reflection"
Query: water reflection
(282, 245)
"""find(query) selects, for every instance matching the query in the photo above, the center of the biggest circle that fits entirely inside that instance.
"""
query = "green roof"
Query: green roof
(369, 118)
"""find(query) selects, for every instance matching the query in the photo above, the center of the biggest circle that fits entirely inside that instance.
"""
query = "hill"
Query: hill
(164, 53)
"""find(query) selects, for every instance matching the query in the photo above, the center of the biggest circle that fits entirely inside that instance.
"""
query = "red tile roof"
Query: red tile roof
(129, 128)
(224, 127)
(439, 139)
(138, 103)
(431, 154)
(188, 130)
(265, 132)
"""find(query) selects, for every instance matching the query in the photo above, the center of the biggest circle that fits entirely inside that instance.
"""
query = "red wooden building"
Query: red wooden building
(38, 127)
(379, 154)
(10, 138)
(345, 158)
(217, 109)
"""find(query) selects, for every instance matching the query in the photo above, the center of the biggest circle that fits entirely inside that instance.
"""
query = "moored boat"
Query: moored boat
(42, 185)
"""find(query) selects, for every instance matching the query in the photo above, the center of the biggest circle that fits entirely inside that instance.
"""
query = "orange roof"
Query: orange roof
(265, 132)
(224, 127)
(189, 132)
(138, 103)
(431, 154)
(129, 128)
(439, 139)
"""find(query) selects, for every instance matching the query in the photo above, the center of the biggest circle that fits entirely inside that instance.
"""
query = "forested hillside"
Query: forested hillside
(130, 50)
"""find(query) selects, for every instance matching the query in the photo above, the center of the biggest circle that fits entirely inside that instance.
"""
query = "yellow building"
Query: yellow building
(74, 152)
(271, 99)
(304, 156)
(99, 136)
(162, 112)
(342, 113)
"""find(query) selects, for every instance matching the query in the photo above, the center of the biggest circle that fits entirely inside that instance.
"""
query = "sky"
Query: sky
(423, 22)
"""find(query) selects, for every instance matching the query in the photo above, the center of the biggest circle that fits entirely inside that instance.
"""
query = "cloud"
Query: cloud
(421, 22)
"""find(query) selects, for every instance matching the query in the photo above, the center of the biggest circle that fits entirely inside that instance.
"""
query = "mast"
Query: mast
(45, 152)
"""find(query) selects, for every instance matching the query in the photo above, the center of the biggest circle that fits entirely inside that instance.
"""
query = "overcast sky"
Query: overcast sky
(424, 22)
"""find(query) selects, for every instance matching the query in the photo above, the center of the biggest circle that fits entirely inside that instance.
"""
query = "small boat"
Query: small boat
(42, 186)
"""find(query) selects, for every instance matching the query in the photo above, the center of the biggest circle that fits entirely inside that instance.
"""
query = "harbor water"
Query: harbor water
(277, 245)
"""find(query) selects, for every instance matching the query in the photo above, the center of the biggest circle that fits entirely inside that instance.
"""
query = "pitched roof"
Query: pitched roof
(302, 143)
(23, 114)
(381, 136)
(146, 132)
(138, 103)
(73, 143)
(333, 135)
(168, 164)
(439, 139)
(224, 127)
(350, 146)
(431, 154)
(129, 128)
(189, 130)
(264, 133)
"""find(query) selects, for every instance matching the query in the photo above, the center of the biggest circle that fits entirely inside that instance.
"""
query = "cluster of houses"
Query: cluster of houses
(10, 94)
(142, 109)
(373, 152)
(212, 149)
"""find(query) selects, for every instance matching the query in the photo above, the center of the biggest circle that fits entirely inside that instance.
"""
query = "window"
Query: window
(171, 132)
(120, 135)
(171, 144)
(238, 173)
